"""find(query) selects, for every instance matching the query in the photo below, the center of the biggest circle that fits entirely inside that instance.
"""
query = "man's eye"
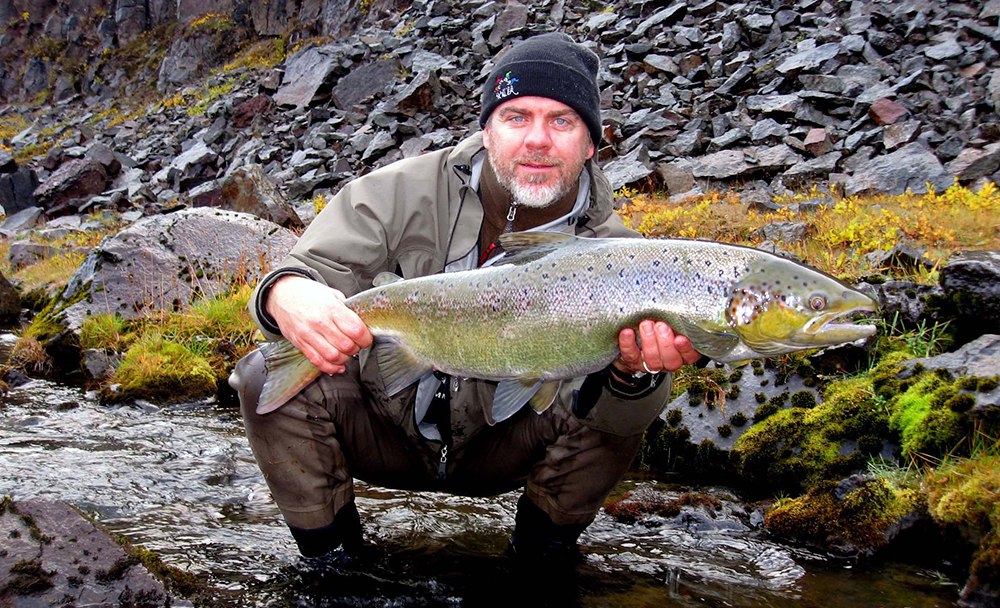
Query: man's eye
(563, 122)
(516, 119)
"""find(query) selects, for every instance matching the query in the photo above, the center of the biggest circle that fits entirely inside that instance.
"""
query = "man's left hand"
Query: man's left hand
(662, 349)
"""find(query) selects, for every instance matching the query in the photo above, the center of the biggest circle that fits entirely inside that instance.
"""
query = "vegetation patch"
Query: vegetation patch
(846, 228)
(857, 522)
(156, 368)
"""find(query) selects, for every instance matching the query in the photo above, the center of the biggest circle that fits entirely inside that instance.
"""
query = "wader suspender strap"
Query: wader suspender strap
(439, 413)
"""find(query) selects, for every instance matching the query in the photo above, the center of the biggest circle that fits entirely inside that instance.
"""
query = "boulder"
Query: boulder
(10, 302)
(165, 261)
(307, 71)
(79, 178)
(249, 190)
(53, 556)
(365, 81)
(909, 168)
(971, 281)
(23, 220)
(17, 191)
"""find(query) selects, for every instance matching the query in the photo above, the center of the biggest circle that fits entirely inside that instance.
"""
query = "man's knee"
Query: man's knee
(247, 380)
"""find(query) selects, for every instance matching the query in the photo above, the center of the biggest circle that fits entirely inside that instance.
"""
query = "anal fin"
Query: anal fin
(511, 395)
(545, 396)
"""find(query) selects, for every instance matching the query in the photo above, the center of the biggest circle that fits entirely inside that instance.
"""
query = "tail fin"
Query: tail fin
(288, 372)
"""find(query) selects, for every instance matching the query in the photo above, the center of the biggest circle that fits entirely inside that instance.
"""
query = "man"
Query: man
(530, 168)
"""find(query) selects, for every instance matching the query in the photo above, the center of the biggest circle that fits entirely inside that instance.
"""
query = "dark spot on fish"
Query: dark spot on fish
(590, 268)
(656, 263)
(621, 274)
(675, 259)
(708, 262)
(562, 278)
(697, 276)
(553, 264)
(609, 266)
(631, 256)
(545, 275)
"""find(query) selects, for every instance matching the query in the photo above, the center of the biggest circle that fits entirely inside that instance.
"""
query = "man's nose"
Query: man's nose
(538, 135)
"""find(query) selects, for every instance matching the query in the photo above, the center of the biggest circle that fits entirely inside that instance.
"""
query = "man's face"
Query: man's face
(537, 148)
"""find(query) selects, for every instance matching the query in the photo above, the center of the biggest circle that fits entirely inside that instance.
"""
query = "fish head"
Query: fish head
(780, 306)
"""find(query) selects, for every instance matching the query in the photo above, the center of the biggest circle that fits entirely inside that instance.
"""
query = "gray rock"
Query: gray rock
(821, 165)
(910, 167)
(767, 128)
(98, 365)
(768, 104)
(26, 253)
(979, 358)
(810, 59)
(784, 232)
(945, 50)
(677, 176)
(900, 133)
(110, 577)
(248, 190)
(971, 279)
(7, 162)
(365, 81)
(627, 169)
(17, 191)
(306, 71)
(10, 302)
(664, 15)
(901, 256)
(187, 57)
(511, 19)
(993, 88)
(166, 260)
(972, 163)
(80, 178)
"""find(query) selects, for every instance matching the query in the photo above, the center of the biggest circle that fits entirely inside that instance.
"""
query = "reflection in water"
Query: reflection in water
(180, 480)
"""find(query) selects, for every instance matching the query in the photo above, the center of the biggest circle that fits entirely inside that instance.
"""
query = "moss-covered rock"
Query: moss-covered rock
(156, 368)
(854, 522)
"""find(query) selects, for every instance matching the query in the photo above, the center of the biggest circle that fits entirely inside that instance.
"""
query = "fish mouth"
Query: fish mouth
(831, 327)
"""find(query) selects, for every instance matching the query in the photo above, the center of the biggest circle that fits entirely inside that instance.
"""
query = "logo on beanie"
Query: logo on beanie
(505, 87)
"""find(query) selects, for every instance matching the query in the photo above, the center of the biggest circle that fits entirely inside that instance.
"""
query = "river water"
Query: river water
(181, 481)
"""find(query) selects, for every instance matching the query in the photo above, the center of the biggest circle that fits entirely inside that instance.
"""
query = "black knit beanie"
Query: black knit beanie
(550, 65)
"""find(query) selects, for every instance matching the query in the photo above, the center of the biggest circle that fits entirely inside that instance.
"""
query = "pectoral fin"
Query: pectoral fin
(385, 278)
(398, 366)
(712, 344)
(511, 395)
(288, 372)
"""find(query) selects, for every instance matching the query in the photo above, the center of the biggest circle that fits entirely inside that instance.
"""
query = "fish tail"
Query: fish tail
(288, 372)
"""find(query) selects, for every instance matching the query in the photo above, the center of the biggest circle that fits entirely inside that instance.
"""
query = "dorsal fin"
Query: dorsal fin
(523, 247)
(385, 278)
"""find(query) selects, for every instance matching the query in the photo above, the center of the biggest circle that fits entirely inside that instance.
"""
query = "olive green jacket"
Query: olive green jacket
(416, 216)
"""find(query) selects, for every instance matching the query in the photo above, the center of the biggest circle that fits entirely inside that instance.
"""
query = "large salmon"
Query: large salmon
(553, 306)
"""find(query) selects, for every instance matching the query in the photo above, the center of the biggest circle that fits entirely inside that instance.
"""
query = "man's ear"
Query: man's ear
(487, 134)
(590, 148)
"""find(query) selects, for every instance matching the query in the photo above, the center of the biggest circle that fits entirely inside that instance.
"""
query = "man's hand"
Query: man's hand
(662, 349)
(313, 318)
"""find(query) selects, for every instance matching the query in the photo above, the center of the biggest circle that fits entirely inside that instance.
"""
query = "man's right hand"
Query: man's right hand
(314, 318)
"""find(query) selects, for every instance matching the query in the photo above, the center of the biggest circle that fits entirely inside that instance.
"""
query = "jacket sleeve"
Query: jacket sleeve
(362, 230)
(600, 406)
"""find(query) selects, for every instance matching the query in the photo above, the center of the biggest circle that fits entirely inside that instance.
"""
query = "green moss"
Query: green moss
(960, 403)
(860, 520)
(674, 417)
(156, 368)
(725, 430)
(803, 399)
(760, 397)
(927, 427)
(987, 384)
(765, 411)
(738, 419)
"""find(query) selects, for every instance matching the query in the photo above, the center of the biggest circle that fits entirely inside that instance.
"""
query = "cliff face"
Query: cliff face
(62, 48)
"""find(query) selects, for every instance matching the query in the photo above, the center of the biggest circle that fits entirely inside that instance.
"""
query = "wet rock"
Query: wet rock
(53, 556)
(164, 261)
(17, 191)
(907, 302)
(249, 190)
(971, 281)
(98, 365)
(77, 179)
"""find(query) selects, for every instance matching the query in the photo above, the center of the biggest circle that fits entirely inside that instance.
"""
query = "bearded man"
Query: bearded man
(531, 167)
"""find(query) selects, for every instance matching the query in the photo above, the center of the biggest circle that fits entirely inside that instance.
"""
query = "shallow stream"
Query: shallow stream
(180, 480)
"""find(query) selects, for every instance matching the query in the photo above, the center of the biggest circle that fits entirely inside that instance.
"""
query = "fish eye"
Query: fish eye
(817, 302)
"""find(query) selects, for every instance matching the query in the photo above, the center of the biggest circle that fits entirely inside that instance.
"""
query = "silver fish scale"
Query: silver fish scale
(558, 316)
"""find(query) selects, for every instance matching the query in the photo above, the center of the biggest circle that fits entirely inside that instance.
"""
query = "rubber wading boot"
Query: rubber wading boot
(536, 538)
(345, 531)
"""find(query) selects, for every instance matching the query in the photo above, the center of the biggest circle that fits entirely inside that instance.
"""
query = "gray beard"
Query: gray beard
(530, 195)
